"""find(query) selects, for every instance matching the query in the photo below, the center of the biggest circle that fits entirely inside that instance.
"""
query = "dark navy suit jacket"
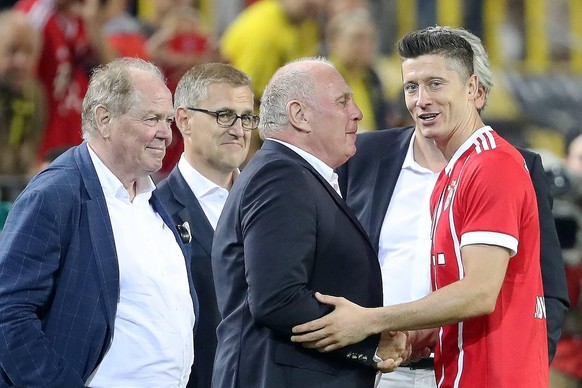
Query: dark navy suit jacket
(285, 233)
(59, 277)
(183, 206)
(367, 182)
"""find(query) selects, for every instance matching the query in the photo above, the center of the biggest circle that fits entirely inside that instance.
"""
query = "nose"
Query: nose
(357, 114)
(165, 131)
(237, 129)
(423, 97)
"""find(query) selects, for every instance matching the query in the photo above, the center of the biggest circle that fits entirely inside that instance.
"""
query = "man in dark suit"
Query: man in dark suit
(94, 288)
(285, 233)
(371, 183)
(215, 145)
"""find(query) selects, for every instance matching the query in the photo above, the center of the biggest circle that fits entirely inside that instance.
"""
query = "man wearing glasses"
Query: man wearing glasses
(214, 113)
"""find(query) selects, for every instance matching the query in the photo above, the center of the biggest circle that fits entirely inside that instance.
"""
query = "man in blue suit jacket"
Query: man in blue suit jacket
(215, 145)
(286, 233)
(81, 285)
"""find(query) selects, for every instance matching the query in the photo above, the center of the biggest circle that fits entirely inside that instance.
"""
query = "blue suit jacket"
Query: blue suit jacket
(367, 182)
(285, 233)
(59, 277)
(183, 206)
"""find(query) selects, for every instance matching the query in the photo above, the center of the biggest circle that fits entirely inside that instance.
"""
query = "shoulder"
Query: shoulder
(61, 184)
(166, 185)
(274, 167)
(271, 174)
(382, 138)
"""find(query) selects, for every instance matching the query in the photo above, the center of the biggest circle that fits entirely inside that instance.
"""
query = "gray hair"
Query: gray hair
(111, 85)
(193, 86)
(293, 81)
(480, 59)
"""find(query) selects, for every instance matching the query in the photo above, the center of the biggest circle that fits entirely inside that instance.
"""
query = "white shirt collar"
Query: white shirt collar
(199, 184)
(111, 185)
(409, 161)
(323, 169)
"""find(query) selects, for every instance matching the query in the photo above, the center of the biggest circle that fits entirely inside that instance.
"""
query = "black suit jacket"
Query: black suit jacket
(285, 233)
(183, 206)
(367, 182)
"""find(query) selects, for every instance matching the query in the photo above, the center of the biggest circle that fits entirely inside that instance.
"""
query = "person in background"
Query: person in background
(160, 11)
(94, 286)
(180, 43)
(351, 41)
(124, 32)
(269, 33)
(72, 44)
(487, 294)
(22, 103)
(573, 150)
(285, 233)
(214, 111)
(566, 370)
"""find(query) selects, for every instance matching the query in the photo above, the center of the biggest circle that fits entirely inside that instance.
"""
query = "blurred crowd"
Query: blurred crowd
(48, 53)
(49, 47)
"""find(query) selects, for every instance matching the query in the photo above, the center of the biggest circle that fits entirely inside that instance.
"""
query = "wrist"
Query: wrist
(376, 357)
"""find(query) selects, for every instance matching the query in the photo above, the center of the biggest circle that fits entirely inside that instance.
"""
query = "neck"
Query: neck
(426, 153)
(450, 145)
(223, 178)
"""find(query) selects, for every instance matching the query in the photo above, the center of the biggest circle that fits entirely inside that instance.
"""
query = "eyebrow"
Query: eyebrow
(246, 111)
(345, 95)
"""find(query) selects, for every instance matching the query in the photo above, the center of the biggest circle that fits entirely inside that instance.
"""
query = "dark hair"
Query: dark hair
(440, 41)
(570, 136)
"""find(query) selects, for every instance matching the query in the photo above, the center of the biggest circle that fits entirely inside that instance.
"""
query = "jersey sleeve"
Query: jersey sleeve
(491, 200)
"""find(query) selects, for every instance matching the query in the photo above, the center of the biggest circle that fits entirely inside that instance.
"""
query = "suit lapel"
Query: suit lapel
(101, 232)
(160, 209)
(383, 180)
(290, 154)
(188, 208)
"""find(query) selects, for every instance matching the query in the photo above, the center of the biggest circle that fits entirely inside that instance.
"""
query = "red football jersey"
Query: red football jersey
(62, 69)
(485, 196)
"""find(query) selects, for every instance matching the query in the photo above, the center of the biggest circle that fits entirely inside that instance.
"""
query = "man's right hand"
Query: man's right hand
(394, 349)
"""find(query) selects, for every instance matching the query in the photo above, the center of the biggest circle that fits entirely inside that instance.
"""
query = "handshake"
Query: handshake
(400, 348)
(350, 323)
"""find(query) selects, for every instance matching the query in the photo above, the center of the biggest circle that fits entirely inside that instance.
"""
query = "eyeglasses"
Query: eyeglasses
(227, 118)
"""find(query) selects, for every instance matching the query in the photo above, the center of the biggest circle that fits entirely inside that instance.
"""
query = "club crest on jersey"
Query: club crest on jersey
(450, 193)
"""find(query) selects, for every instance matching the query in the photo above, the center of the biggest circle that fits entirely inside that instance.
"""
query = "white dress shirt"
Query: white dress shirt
(323, 169)
(404, 254)
(404, 246)
(211, 196)
(152, 343)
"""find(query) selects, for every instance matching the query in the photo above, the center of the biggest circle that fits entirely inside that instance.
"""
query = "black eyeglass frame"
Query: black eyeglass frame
(216, 113)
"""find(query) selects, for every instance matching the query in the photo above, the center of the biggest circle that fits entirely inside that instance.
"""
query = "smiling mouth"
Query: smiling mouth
(159, 149)
(428, 116)
(233, 143)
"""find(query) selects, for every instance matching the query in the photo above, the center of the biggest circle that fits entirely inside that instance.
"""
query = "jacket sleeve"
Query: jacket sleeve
(552, 263)
(30, 251)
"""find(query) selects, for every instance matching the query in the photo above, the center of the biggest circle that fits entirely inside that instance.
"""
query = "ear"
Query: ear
(183, 121)
(298, 116)
(103, 119)
(473, 86)
(480, 98)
